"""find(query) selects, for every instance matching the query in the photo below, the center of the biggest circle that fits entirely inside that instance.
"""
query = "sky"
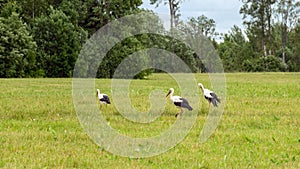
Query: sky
(224, 12)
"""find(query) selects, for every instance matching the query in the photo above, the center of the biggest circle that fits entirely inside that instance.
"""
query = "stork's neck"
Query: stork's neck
(171, 94)
(202, 88)
(99, 95)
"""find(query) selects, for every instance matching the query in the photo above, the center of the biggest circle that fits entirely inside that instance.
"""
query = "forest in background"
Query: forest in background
(44, 38)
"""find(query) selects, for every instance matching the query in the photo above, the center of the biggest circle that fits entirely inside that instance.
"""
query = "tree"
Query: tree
(59, 43)
(236, 52)
(118, 40)
(272, 63)
(132, 44)
(260, 15)
(200, 32)
(17, 48)
(174, 13)
(288, 12)
(32, 9)
(174, 9)
(121, 51)
(236, 35)
(200, 26)
(97, 13)
(8, 7)
(294, 45)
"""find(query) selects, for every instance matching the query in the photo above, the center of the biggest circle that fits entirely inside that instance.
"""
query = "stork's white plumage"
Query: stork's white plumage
(103, 98)
(178, 101)
(210, 96)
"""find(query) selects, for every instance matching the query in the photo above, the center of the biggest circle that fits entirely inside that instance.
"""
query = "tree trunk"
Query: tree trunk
(263, 31)
(284, 33)
(269, 15)
(33, 10)
(172, 19)
(284, 41)
(172, 13)
(263, 41)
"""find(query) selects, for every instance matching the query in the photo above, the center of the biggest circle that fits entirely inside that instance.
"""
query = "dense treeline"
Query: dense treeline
(272, 38)
(44, 38)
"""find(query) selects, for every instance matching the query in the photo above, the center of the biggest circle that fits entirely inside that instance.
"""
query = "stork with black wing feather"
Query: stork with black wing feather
(210, 96)
(103, 98)
(179, 102)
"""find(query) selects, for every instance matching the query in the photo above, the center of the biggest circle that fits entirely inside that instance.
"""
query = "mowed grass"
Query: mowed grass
(260, 127)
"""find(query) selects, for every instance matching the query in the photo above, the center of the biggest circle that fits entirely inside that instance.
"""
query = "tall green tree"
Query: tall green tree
(59, 42)
(257, 16)
(288, 11)
(7, 7)
(32, 9)
(234, 51)
(103, 54)
(200, 32)
(236, 35)
(294, 45)
(97, 13)
(132, 44)
(200, 26)
(17, 48)
(174, 7)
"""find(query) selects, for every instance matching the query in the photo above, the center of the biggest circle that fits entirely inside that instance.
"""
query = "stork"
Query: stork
(103, 98)
(179, 102)
(210, 96)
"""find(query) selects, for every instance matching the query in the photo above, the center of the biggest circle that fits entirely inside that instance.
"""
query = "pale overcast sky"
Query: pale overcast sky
(224, 12)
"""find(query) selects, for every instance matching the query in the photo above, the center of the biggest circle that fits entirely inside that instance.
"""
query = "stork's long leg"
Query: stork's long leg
(105, 107)
(178, 112)
(101, 107)
(208, 104)
(181, 112)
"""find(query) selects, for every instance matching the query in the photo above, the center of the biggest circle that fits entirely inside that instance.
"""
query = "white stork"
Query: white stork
(103, 98)
(210, 96)
(179, 102)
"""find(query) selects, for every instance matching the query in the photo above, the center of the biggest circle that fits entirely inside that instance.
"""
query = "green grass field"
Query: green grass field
(260, 127)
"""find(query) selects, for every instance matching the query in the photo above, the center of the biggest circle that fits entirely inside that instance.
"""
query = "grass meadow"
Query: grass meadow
(260, 127)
